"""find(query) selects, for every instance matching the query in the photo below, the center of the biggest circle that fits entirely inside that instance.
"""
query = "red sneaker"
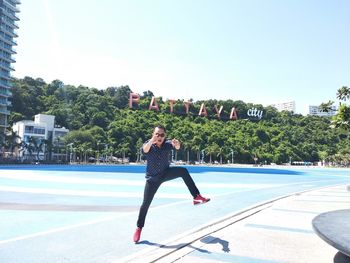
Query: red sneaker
(200, 200)
(137, 234)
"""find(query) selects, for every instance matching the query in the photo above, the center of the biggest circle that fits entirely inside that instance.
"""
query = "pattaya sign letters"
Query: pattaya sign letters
(134, 99)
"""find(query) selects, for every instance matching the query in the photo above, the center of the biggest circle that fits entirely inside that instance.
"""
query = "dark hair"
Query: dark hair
(160, 127)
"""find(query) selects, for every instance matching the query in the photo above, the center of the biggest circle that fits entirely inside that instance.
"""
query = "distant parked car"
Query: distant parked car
(112, 159)
(91, 160)
(102, 159)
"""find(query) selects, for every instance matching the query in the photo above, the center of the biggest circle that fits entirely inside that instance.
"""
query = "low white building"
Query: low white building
(285, 106)
(316, 111)
(43, 132)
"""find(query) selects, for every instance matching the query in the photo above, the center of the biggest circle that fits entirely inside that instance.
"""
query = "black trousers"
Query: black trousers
(153, 184)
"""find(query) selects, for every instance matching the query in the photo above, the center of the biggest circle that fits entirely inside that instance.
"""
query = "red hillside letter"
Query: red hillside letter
(218, 112)
(187, 106)
(133, 98)
(233, 115)
(203, 111)
(171, 102)
(153, 105)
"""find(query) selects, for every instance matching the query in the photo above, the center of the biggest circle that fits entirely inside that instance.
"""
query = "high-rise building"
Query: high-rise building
(317, 111)
(287, 106)
(8, 18)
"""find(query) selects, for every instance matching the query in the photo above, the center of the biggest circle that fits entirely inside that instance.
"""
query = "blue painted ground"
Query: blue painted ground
(88, 213)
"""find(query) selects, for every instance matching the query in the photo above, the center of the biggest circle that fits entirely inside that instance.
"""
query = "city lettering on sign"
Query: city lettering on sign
(254, 112)
(134, 99)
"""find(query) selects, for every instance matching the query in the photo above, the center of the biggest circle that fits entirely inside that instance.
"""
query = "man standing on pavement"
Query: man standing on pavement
(158, 170)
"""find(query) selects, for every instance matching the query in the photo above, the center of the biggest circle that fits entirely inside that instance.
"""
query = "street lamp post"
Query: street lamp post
(70, 152)
(255, 159)
(202, 159)
(106, 151)
(97, 152)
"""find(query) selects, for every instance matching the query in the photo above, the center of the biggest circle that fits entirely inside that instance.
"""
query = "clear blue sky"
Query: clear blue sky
(252, 50)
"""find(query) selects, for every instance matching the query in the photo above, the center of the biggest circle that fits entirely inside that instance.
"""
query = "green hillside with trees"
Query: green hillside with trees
(101, 122)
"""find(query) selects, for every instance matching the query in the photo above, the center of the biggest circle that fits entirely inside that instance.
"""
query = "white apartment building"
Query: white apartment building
(316, 111)
(287, 106)
(42, 128)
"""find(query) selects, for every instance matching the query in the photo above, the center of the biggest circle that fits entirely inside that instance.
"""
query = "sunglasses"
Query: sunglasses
(160, 134)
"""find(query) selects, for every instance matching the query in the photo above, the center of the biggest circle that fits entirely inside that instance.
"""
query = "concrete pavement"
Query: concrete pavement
(64, 214)
(276, 231)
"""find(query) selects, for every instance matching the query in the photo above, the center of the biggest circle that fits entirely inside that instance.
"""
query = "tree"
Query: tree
(48, 148)
(31, 146)
(40, 148)
(147, 94)
(15, 117)
(342, 118)
(12, 141)
(120, 96)
(139, 144)
(54, 86)
(97, 118)
(82, 141)
(100, 119)
(343, 93)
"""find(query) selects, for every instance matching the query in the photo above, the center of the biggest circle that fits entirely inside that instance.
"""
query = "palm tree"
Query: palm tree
(221, 151)
(343, 93)
(29, 147)
(327, 106)
(32, 146)
(12, 141)
(212, 149)
(48, 148)
(187, 148)
(139, 144)
(41, 148)
(196, 145)
(2, 143)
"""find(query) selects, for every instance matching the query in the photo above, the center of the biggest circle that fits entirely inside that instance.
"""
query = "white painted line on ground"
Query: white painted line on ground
(76, 180)
(2, 242)
(71, 180)
(86, 193)
(60, 229)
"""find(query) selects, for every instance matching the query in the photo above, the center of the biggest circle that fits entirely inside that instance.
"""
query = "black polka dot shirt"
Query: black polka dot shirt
(158, 159)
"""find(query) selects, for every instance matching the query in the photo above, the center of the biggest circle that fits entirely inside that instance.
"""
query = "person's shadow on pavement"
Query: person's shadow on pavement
(214, 240)
(177, 246)
(205, 240)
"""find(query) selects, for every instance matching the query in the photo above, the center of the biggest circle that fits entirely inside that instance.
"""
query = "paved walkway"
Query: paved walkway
(87, 214)
(280, 231)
